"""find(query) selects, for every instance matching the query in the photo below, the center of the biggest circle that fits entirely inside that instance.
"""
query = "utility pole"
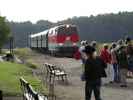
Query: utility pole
(11, 44)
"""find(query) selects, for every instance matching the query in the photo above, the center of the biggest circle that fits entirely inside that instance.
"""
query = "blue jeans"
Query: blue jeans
(116, 72)
(93, 86)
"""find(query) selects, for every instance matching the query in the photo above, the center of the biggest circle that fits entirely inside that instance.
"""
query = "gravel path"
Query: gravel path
(75, 90)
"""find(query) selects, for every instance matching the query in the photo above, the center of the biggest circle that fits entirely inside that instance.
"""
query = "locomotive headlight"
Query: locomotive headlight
(74, 44)
(60, 44)
(67, 26)
(67, 38)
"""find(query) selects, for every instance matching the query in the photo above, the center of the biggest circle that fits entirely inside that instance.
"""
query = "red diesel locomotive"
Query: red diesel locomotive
(60, 40)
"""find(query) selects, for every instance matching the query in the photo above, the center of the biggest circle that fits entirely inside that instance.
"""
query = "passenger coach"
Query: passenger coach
(60, 40)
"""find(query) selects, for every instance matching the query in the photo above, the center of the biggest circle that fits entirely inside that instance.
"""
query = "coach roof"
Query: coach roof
(39, 34)
(46, 31)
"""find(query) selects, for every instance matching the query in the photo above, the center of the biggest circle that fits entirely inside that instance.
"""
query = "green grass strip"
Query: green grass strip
(9, 78)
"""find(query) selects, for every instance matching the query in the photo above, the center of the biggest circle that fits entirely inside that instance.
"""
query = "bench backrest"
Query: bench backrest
(47, 67)
(28, 91)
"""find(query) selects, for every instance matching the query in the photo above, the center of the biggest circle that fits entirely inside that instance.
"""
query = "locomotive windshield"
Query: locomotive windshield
(68, 30)
(61, 30)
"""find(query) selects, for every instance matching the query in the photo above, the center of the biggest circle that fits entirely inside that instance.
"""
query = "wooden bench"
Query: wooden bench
(29, 93)
(54, 71)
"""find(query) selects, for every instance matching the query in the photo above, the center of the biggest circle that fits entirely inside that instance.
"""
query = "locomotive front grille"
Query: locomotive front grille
(66, 51)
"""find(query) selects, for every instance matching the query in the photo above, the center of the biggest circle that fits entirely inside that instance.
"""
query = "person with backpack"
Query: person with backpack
(94, 71)
(123, 63)
(129, 50)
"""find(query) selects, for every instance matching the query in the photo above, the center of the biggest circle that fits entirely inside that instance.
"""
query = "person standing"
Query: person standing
(94, 71)
(123, 64)
(80, 55)
(94, 45)
(129, 50)
(106, 57)
(114, 63)
(83, 58)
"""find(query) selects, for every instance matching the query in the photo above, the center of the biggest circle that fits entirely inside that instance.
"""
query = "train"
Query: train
(62, 40)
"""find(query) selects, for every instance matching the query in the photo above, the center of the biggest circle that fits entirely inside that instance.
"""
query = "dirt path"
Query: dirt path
(75, 90)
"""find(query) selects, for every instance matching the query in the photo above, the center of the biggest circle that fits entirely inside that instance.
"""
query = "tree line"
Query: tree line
(102, 28)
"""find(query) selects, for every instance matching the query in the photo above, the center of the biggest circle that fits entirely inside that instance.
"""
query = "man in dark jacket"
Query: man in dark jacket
(129, 51)
(123, 64)
(94, 71)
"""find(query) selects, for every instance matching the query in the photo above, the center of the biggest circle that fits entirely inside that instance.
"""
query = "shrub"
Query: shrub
(31, 65)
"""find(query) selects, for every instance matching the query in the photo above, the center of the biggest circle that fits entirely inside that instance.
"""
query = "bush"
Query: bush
(23, 52)
(31, 65)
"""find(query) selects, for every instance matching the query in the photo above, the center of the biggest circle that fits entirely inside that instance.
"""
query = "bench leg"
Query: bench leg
(46, 78)
(1, 95)
(66, 79)
(51, 91)
(62, 78)
(50, 78)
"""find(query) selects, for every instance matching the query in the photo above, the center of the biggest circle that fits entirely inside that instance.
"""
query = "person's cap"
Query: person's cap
(93, 43)
(120, 42)
(105, 45)
(89, 49)
(128, 39)
(82, 42)
(113, 44)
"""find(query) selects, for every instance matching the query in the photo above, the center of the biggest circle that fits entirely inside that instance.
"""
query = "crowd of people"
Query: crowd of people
(112, 64)
(119, 60)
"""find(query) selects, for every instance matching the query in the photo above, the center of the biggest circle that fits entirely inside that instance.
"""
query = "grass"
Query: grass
(9, 78)
(23, 52)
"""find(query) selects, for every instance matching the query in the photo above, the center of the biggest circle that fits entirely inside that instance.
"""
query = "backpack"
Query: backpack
(130, 56)
(121, 57)
(130, 50)
(130, 62)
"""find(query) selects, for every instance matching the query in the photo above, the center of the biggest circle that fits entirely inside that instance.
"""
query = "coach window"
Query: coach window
(33, 39)
(63, 30)
(53, 32)
(50, 32)
(56, 31)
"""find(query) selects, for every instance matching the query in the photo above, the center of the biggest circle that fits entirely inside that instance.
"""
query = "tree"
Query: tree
(4, 31)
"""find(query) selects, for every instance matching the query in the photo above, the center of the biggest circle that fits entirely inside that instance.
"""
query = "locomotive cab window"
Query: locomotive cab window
(61, 30)
(74, 30)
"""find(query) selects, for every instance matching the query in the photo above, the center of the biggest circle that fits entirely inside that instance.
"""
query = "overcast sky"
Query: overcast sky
(55, 10)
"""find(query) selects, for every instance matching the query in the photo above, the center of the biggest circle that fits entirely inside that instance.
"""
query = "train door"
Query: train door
(47, 46)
